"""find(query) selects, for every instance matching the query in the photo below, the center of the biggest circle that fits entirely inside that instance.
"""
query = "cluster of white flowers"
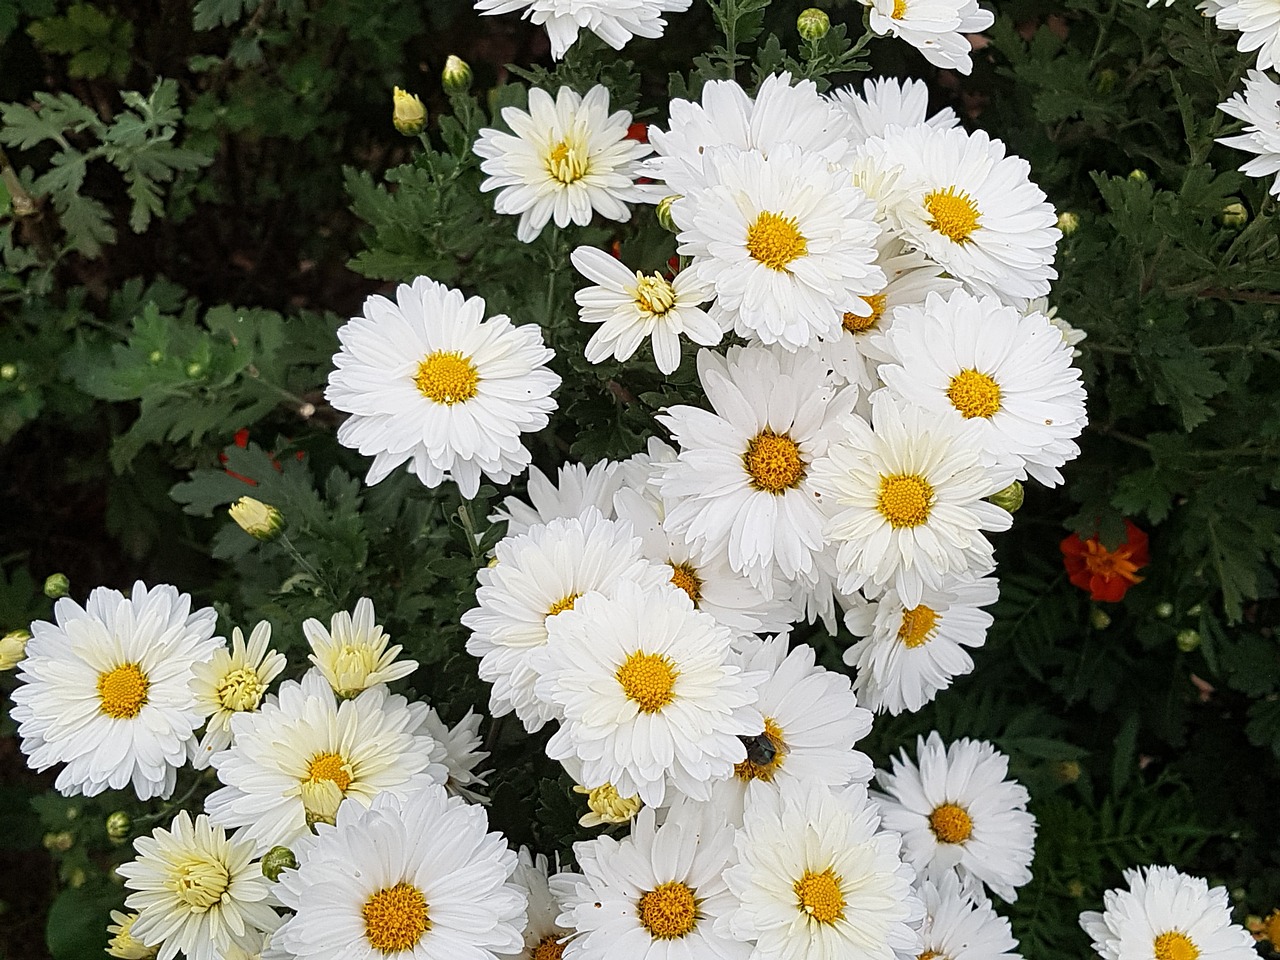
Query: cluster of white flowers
(1258, 22)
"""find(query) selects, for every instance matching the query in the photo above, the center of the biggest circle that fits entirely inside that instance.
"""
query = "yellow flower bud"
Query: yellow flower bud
(13, 647)
(456, 76)
(409, 115)
(607, 806)
(259, 520)
(1068, 223)
(1234, 215)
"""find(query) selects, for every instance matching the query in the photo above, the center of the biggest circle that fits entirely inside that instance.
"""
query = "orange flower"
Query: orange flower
(1106, 574)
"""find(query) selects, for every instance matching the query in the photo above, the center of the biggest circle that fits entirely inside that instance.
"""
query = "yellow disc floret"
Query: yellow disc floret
(685, 576)
(952, 213)
(974, 394)
(773, 462)
(668, 911)
(447, 377)
(905, 500)
(647, 679)
(199, 881)
(561, 605)
(331, 767)
(853, 323)
(899, 9)
(654, 295)
(240, 690)
(951, 823)
(395, 918)
(917, 626)
(775, 240)
(753, 769)
(548, 948)
(1175, 945)
(568, 161)
(819, 895)
(123, 691)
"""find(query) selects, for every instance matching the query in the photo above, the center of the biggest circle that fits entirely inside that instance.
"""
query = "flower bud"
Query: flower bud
(1009, 499)
(259, 520)
(56, 586)
(119, 826)
(195, 369)
(409, 115)
(9, 371)
(59, 842)
(1164, 610)
(607, 805)
(1233, 215)
(13, 647)
(813, 24)
(1106, 81)
(1099, 618)
(1188, 640)
(1066, 771)
(1075, 889)
(1138, 176)
(456, 76)
(1068, 223)
(663, 213)
(276, 861)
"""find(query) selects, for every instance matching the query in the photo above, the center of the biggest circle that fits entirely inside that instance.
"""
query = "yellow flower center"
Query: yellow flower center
(954, 215)
(974, 394)
(917, 626)
(331, 767)
(856, 324)
(395, 918)
(240, 690)
(1175, 945)
(668, 911)
(759, 768)
(607, 804)
(899, 9)
(447, 377)
(773, 461)
(568, 162)
(654, 295)
(123, 691)
(929, 955)
(905, 500)
(647, 680)
(684, 576)
(818, 895)
(950, 823)
(775, 240)
(561, 605)
(548, 948)
(200, 882)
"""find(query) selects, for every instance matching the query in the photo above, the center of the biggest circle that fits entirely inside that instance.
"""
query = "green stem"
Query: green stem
(469, 525)
(301, 561)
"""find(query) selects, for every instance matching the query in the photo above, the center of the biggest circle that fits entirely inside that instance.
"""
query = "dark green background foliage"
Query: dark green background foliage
(217, 187)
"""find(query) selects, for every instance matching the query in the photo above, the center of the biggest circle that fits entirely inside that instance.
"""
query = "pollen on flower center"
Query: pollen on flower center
(447, 377)
(568, 162)
(951, 823)
(754, 769)
(917, 626)
(905, 500)
(240, 690)
(899, 9)
(775, 240)
(1175, 945)
(548, 948)
(685, 576)
(819, 895)
(668, 911)
(647, 679)
(773, 462)
(974, 394)
(200, 882)
(856, 324)
(123, 691)
(654, 295)
(561, 605)
(395, 918)
(952, 213)
(329, 766)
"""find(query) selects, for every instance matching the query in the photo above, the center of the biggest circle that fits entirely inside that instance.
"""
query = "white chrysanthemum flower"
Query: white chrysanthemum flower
(642, 471)
(959, 928)
(613, 21)
(905, 502)
(1167, 915)
(1258, 22)
(353, 654)
(908, 654)
(196, 891)
(659, 894)
(462, 753)
(889, 102)
(106, 690)
(741, 484)
(648, 692)
(297, 759)
(971, 208)
(418, 876)
(569, 156)
(632, 308)
(233, 681)
(539, 575)
(542, 935)
(1070, 335)
(936, 28)
(576, 488)
(123, 944)
(1259, 108)
(432, 384)
(787, 241)
(1005, 381)
(816, 879)
(957, 812)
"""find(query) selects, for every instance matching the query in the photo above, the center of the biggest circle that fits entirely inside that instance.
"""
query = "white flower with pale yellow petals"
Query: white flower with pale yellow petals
(233, 681)
(353, 654)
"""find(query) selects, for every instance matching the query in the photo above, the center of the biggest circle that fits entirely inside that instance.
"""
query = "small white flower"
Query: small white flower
(233, 681)
(542, 935)
(936, 28)
(960, 928)
(889, 102)
(462, 753)
(576, 488)
(1258, 22)
(613, 21)
(1259, 107)
(352, 654)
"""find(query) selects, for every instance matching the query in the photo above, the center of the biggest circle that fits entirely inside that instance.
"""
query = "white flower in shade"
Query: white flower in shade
(296, 760)
(905, 502)
(957, 812)
(353, 654)
(642, 471)
(1258, 22)
(462, 753)
(123, 944)
(816, 879)
(432, 384)
(613, 21)
(232, 681)
(936, 28)
(632, 307)
(576, 488)
(105, 689)
(1167, 915)
(741, 484)
(648, 692)
(539, 575)
(418, 876)
(889, 102)
(907, 654)
(659, 894)
(787, 241)
(197, 891)
(1004, 380)
(542, 935)
(960, 928)
(569, 156)
(1259, 108)
(971, 208)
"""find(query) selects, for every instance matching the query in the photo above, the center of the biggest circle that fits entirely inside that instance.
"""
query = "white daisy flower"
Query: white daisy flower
(576, 488)
(889, 102)
(957, 812)
(106, 690)
(787, 241)
(294, 761)
(971, 208)
(642, 471)
(613, 21)
(1070, 335)
(1258, 22)
(741, 486)
(232, 681)
(123, 944)
(959, 928)
(197, 891)
(569, 156)
(1167, 915)
(352, 654)
(1259, 108)
(417, 876)
(816, 879)
(936, 28)
(432, 384)
(649, 694)
(905, 502)
(632, 308)
(462, 753)
(543, 936)
(908, 654)
(1005, 381)
(539, 575)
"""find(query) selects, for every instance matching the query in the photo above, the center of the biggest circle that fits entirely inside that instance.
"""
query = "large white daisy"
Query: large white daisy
(577, 487)
(1259, 107)
(230, 682)
(1258, 22)
(432, 384)
(106, 690)
(889, 102)
(613, 21)
(960, 928)
(936, 28)
(353, 654)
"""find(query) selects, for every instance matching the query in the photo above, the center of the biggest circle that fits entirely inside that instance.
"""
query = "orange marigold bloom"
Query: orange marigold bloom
(1106, 574)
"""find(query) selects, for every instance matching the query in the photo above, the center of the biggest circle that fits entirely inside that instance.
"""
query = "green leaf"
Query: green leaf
(59, 114)
(78, 918)
(210, 14)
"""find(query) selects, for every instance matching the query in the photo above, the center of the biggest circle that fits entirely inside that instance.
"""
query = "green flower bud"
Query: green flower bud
(276, 861)
(1164, 610)
(813, 24)
(1188, 640)
(1099, 618)
(456, 76)
(1066, 771)
(56, 586)
(1009, 499)
(1068, 223)
(1106, 81)
(195, 369)
(1138, 176)
(664, 213)
(408, 115)
(1233, 215)
(119, 826)
(259, 520)
(154, 357)
(9, 371)
(59, 842)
